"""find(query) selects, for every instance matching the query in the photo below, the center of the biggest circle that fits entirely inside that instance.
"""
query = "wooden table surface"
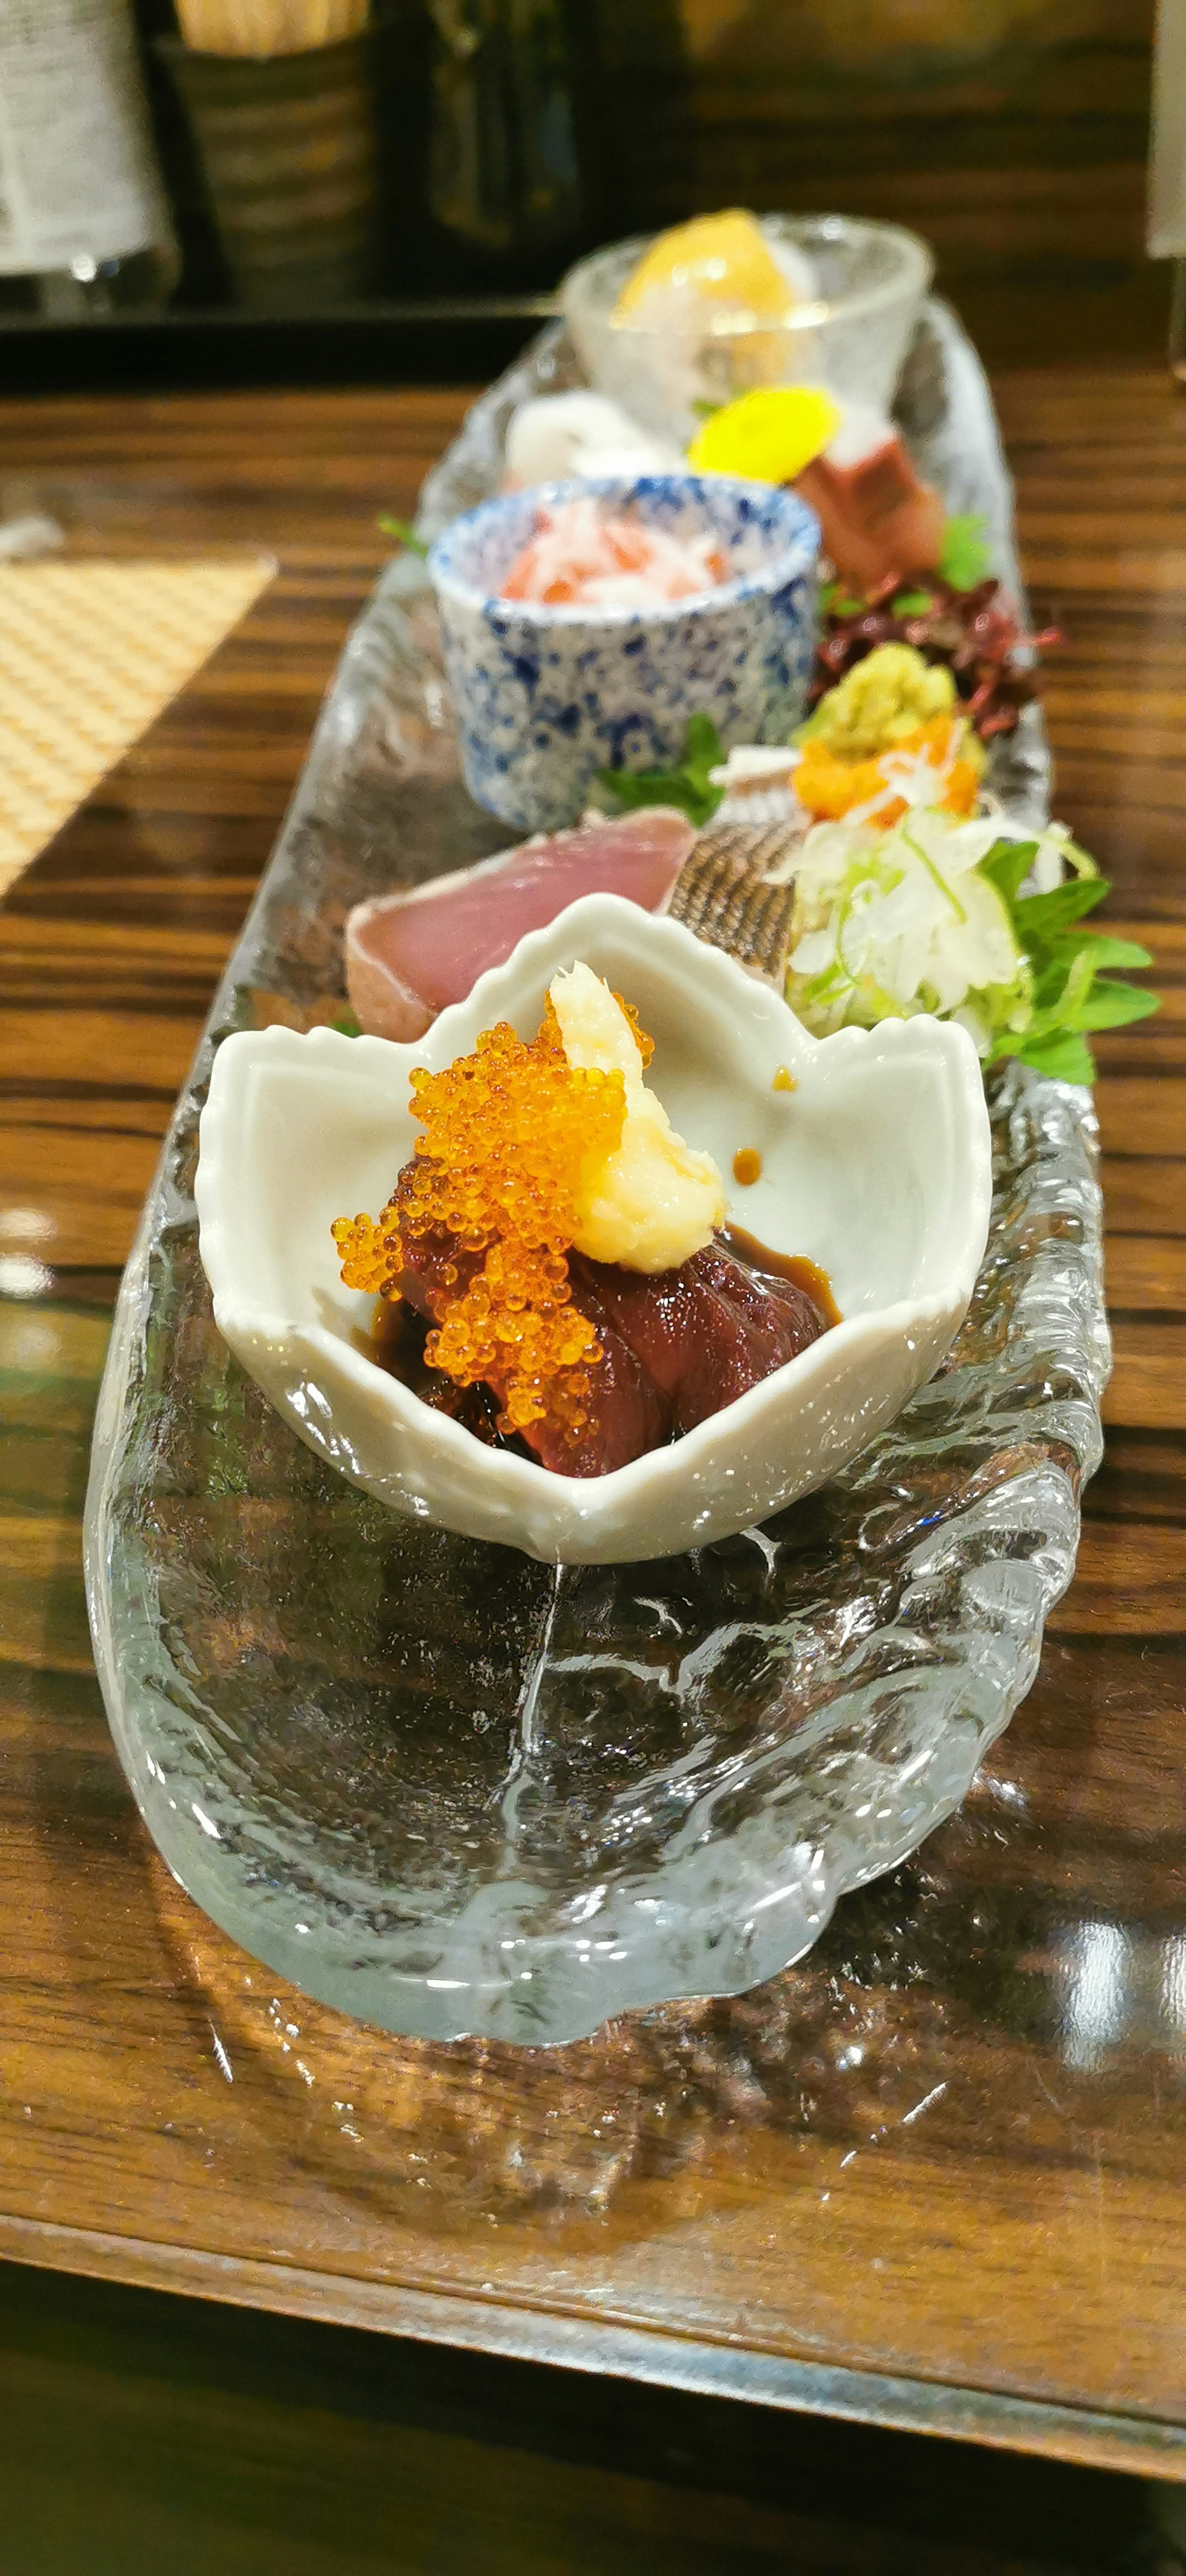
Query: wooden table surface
(933, 2175)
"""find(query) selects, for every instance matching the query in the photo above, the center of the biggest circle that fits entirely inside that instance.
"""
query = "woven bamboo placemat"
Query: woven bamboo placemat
(90, 652)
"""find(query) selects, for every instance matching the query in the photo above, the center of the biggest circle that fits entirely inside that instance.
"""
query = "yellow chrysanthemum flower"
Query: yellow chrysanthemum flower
(769, 434)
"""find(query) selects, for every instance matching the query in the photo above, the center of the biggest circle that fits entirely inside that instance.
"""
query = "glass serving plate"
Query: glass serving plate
(449, 1790)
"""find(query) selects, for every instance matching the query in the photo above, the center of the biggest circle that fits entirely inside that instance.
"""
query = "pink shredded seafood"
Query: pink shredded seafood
(582, 556)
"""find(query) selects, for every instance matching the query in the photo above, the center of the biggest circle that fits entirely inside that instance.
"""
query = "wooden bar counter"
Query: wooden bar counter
(934, 2176)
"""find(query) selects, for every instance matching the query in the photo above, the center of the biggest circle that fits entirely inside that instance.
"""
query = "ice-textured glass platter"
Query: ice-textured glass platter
(447, 1789)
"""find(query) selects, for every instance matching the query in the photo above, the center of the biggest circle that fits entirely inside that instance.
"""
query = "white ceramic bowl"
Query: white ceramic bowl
(876, 1166)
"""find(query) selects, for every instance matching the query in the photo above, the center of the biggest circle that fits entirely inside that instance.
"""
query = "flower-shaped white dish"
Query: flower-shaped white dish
(875, 1165)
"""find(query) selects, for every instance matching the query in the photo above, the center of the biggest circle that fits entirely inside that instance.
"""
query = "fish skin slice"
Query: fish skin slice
(737, 892)
(410, 952)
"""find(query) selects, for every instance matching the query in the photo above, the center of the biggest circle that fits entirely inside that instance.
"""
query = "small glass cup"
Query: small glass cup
(850, 332)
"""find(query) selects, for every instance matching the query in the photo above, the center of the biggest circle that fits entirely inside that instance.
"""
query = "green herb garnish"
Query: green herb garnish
(347, 1026)
(689, 787)
(405, 535)
(1071, 996)
(834, 601)
(965, 559)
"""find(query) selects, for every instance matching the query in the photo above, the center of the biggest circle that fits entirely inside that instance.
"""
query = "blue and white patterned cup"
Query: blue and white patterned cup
(546, 697)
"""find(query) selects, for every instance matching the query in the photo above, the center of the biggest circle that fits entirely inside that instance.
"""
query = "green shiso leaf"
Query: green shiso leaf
(1109, 1005)
(1008, 865)
(834, 601)
(1070, 995)
(965, 559)
(1038, 918)
(1107, 951)
(688, 787)
(1067, 1057)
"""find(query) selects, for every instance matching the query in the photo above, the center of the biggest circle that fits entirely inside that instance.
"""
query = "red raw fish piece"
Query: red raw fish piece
(704, 1333)
(675, 1347)
(630, 1415)
(411, 952)
(879, 522)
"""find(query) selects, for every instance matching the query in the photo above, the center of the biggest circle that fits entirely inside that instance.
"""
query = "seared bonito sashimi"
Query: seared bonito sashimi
(411, 952)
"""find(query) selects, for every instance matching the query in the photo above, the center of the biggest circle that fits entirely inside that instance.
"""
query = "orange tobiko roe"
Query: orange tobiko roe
(830, 786)
(509, 1133)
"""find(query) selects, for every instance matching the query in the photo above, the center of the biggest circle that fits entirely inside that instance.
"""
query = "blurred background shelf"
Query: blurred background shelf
(511, 134)
(460, 340)
(1110, 310)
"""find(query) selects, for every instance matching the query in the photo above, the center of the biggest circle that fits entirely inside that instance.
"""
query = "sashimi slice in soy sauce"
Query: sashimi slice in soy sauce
(411, 952)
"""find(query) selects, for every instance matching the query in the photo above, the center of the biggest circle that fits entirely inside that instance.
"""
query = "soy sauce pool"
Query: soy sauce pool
(793, 1266)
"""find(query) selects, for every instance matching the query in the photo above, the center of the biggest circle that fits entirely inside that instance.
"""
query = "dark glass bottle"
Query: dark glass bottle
(506, 174)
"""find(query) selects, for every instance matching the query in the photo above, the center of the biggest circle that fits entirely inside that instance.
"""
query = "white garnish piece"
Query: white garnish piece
(750, 761)
(863, 431)
(554, 436)
(654, 1201)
